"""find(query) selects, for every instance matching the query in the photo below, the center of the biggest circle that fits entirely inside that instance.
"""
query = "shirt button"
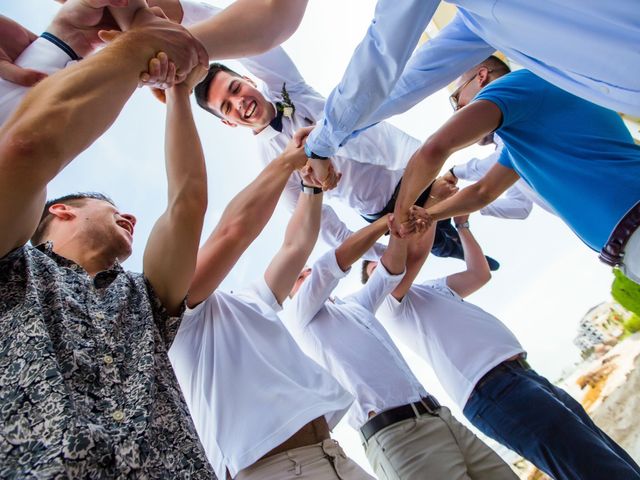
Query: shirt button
(100, 316)
(118, 415)
(108, 359)
(604, 89)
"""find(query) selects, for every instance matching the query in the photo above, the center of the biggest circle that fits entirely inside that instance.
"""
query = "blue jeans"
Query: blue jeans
(544, 424)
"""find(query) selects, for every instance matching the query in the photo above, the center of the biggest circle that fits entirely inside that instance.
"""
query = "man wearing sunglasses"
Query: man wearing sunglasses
(578, 156)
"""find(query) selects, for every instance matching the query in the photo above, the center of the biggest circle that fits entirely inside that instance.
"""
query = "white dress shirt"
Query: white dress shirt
(371, 165)
(248, 385)
(41, 55)
(573, 44)
(462, 342)
(517, 201)
(345, 337)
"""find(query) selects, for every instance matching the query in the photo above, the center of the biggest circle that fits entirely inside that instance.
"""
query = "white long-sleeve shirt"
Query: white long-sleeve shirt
(517, 202)
(41, 55)
(345, 337)
(580, 42)
(371, 165)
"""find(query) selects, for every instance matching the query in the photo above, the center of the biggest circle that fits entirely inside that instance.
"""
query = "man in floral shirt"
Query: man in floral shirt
(86, 387)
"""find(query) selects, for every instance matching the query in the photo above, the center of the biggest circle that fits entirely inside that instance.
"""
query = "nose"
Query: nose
(130, 218)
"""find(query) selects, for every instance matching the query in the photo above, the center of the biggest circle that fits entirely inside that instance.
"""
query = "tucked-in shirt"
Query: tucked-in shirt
(576, 155)
(582, 41)
(459, 340)
(517, 201)
(248, 385)
(345, 337)
(86, 386)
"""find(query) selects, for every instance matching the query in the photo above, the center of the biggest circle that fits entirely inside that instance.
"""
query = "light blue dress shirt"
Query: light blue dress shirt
(590, 48)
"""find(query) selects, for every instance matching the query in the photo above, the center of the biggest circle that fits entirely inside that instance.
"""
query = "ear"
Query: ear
(483, 76)
(250, 80)
(62, 211)
(229, 124)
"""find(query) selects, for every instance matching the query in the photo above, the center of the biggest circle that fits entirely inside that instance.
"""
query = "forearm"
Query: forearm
(185, 161)
(473, 254)
(299, 240)
(172, 248)
(249, 27)
(466, 201)
(304, 226)
(241, 222)
(251, 209)
(423, 167)
(84, 99)
(395, 256)
(358, 243)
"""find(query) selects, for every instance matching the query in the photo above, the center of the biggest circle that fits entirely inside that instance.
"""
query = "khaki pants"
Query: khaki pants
(322, 461)
(433, 447)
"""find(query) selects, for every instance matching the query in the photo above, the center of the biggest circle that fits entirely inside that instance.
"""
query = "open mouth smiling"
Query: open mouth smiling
(250, 110)
(126, 226)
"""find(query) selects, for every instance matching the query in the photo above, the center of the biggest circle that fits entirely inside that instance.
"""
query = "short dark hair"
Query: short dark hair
(201, 91)
(364, 275)
(497, 65)
(74, 199)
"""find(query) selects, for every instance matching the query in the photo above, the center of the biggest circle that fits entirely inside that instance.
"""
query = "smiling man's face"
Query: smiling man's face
(239, 102)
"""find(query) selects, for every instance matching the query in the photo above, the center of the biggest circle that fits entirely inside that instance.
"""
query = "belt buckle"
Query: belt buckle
(431, 405)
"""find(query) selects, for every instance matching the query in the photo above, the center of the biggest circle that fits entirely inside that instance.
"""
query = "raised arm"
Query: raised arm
(334, 231)
(477, 273)
(474, 197)
(299, 239)
(464, 128)
(357, 244)
(386, 277)
(171, 252)
(62, 116)
(249, 27)
(241, 222)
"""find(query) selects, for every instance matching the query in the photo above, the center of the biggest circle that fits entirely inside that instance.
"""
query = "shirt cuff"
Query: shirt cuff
(44, 56)
(384, 273)
(321, 143)
(329, 263)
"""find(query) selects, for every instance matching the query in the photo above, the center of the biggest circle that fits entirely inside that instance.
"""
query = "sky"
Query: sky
(548, 278)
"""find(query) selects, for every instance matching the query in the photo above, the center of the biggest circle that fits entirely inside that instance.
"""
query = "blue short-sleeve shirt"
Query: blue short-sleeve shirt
(578, 156)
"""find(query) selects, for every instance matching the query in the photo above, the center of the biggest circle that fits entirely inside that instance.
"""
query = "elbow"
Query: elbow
(483, 195)
(432, 155)
(484, 277)
(191, 204)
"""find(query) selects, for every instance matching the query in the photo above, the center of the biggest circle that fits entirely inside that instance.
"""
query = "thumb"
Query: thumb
(18, 75)
(108, 35)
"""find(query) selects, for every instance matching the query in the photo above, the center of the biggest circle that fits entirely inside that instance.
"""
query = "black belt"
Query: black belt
(391, 204)
(519, 362)
(428, 405)
(612, 252)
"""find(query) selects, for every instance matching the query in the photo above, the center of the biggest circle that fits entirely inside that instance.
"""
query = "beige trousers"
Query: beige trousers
(323, 461)
(433, 447)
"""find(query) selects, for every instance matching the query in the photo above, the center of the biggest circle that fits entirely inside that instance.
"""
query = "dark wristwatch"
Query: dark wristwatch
(310, 154)
(462, 225)
(309, 190)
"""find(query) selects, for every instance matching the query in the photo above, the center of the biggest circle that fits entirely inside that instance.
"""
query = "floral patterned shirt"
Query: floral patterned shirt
(86, 387)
